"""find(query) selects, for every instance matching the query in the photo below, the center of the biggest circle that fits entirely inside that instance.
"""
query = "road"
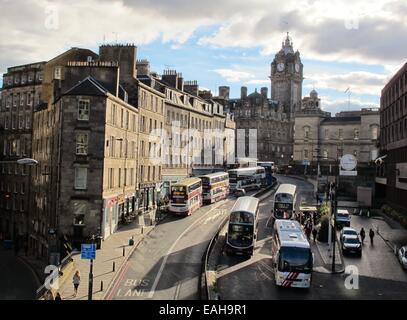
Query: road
(167, 264)
(380, 276)
(17, 282)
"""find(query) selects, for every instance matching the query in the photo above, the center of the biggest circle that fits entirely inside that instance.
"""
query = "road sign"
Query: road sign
(88, 251)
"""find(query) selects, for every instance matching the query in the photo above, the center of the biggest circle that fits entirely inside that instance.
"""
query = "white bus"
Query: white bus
(247, 178)
(242, 228)
(186, 196)
(285, 201)
(292, 256)
(215, 187)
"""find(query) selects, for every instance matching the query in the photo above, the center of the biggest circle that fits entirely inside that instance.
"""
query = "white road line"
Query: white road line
(160, 271)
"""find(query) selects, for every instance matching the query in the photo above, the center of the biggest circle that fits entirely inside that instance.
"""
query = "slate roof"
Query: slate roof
(87, 87)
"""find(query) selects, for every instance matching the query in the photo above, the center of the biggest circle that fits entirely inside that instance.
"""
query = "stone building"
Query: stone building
(392, 170)
(270, 121)
(22, 86)
(321, 138)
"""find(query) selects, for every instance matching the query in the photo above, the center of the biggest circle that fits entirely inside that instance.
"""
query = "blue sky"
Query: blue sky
(358, 44)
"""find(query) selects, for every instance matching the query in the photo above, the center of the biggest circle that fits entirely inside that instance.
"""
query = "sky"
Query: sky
(356, 44)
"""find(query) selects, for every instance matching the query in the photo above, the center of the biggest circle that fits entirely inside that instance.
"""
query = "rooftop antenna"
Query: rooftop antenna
(349, 93)
(115, 33)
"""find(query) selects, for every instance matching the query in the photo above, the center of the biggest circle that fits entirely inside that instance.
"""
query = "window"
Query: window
(326, 133)
(27, 121)
(81, 176)
(375, 132)
(110, 178)
(57, 73)
(325, 154)
(356, 134)
(306, 132)
(83, 110)
(79, 209)
(82, 143)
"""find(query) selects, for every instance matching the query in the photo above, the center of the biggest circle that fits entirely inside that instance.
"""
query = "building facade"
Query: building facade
(22, 87)
(270, 122)
(321, 139)
(392, 171)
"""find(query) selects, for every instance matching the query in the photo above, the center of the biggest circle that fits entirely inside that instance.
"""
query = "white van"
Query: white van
(342, 218)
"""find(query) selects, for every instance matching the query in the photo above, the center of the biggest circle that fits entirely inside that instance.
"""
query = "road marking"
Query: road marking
(119, 279)
(160, 271)
(177, 289)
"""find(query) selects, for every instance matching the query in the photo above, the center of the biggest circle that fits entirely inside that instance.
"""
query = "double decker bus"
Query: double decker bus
(215, 187)
(285, 201)
(247, 178)
(242, 229)
(186, 196)
(292, 256)
(269, 169)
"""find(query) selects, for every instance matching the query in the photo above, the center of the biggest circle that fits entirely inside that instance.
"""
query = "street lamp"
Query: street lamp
(26, 161)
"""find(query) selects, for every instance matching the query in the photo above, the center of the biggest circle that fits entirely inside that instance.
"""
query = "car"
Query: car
(239, 193)
(342, 218)
(351, 244)
(402, 256)
(347, 231)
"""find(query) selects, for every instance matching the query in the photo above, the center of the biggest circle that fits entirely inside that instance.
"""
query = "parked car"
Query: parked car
(347, 231)
(402, 255)
(351, 244)
(342, 218)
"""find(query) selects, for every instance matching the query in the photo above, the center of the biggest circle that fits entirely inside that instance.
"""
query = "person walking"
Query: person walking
(314, 234)
(371, 235)
(76, 280)
(362, 234)
(58, 296)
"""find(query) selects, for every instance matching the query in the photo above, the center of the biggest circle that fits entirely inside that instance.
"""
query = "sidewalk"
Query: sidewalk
(393, 233)
(326, 255)
(111, 252)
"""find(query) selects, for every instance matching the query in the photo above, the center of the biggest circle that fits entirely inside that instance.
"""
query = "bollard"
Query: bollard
(114, 266)
(101, 285)
(124, 251)
(142, 229)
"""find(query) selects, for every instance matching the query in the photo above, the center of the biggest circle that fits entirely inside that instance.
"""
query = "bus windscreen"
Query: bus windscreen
(294, 259)
(240, 235)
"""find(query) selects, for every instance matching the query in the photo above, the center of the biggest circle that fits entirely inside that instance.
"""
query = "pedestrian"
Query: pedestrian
(58, 296)
(314, 234)
(362, 234)
(371, 235)
(76, 280)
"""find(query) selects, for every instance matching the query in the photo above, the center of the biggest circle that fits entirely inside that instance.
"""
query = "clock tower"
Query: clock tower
(286, 78)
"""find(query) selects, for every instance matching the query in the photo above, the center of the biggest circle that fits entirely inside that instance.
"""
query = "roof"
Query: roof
(87, 87)
(286, 188)
(187, 181)
(247, 204)
(213, 175)
(291, 234)
(341, 120)
(250, 169)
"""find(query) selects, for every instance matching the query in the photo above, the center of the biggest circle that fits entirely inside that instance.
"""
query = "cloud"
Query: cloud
(359, 82)
(336, 105)
(258, 81)
(233, 75)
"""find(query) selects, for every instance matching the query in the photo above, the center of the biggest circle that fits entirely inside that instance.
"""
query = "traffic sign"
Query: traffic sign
(88, 251)
(348, 162)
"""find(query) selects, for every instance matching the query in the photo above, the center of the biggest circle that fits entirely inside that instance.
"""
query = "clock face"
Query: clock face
(297, 67)
(280, 66)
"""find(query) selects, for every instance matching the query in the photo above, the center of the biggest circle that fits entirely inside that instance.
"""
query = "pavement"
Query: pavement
(110, 253)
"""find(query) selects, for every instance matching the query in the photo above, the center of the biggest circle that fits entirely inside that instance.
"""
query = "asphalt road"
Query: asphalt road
(167, 264)
(380, 276)
(17, 282)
